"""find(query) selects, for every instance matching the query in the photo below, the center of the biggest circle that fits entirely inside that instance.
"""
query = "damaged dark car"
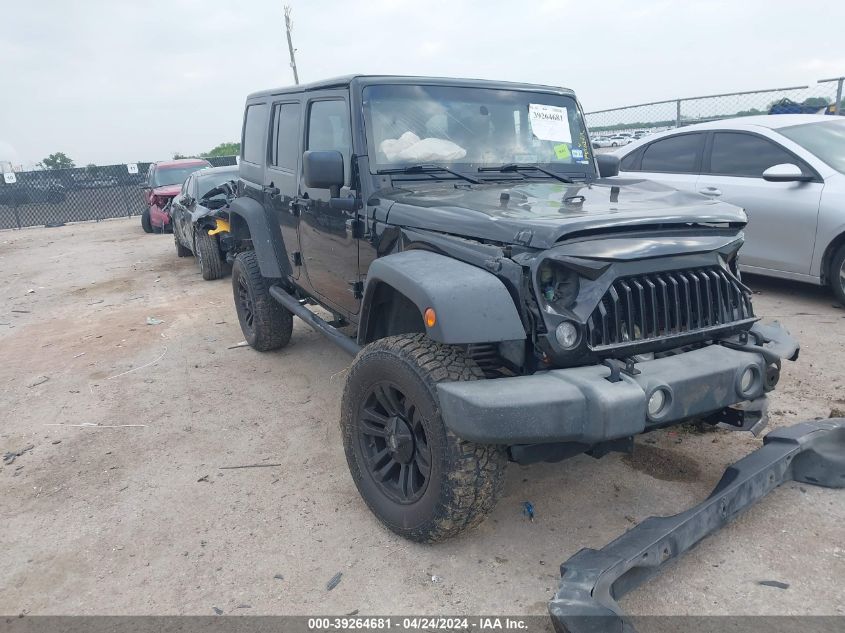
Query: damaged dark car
(505, 296)
(200, 217)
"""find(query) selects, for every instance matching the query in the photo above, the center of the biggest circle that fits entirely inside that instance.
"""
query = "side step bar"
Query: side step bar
(290, 303)
(593, 580)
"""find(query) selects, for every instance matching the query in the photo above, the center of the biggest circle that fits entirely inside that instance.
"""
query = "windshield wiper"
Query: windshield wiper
(428, 169)
(518, 167)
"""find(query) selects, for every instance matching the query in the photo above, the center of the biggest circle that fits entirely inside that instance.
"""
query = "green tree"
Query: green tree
(815, 102)
(57, 160)
(224, 149)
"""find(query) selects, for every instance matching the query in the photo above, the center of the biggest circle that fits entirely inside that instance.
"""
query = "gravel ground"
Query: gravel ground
(136, 516)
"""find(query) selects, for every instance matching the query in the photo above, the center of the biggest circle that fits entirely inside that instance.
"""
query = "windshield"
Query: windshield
(209, 182)
(467, 128)
(174, 175)
(826, 140)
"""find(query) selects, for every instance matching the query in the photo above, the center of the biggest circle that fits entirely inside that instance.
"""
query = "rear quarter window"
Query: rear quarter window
(254, 134)
(629, 162)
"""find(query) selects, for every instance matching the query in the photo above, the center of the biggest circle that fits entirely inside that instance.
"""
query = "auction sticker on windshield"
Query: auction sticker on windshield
(549, 123)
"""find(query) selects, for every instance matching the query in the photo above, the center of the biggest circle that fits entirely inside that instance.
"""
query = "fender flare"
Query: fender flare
(471, 304)
(266, 237)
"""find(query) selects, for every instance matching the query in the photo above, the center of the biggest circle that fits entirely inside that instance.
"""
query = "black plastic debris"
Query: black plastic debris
(335, 581)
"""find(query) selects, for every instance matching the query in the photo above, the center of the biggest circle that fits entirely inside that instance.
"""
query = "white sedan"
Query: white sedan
(787, 171)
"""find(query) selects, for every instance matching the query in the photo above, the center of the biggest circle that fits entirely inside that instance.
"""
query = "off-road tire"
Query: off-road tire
(146, 224)
(465, 479)
(270, 325)
(181, 251)
(837, 275)
(208, 255)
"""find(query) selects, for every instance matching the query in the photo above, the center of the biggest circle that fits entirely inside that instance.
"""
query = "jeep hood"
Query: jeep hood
(539, 214)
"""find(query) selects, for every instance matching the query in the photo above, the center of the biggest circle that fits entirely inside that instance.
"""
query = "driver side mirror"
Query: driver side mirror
(608, 165)
(786, 172)
(323, 169)
(187, 200)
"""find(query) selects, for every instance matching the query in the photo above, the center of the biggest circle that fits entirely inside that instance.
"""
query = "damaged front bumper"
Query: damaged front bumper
(593, 580)
(599, 403)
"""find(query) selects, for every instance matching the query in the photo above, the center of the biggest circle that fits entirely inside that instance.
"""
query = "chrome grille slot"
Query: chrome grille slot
(653, 306)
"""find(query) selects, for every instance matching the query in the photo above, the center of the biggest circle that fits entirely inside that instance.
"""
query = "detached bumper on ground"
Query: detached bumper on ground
(584, 405)
(593, 580)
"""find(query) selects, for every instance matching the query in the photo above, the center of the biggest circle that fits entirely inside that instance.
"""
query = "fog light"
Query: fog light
(657, 402)
(567, 335)
(747, 380)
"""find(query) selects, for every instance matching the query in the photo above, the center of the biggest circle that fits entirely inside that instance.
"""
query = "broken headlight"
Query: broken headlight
(558, 285)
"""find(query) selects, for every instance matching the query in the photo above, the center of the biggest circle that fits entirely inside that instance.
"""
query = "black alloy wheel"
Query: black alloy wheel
(392, 438)
(246, 308)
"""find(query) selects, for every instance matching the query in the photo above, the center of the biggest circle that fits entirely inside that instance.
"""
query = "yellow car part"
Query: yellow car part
(222, 227)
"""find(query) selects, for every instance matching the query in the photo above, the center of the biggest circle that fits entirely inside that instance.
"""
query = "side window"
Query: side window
(151, 175)
(676, 154)
(285, 135)
(737, 154)
(252, 144)
(328, 128)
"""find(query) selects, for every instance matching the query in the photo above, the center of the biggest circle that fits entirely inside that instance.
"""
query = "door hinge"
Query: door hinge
(357, 288)
(355, 228)
(297, 259)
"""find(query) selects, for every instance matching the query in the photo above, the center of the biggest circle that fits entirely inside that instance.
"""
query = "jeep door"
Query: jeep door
(782, 216)
(281, 173)
(329, 250)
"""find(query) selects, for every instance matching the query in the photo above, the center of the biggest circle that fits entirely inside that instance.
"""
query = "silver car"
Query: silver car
(787, 171)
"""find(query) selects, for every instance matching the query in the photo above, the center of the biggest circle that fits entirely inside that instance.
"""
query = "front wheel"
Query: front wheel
(146, 223)
(416, 476)
(837, 275)
(266, 325)
(208, 254)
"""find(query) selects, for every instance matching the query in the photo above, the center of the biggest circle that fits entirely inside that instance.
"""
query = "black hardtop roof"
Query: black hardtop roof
(346, 80)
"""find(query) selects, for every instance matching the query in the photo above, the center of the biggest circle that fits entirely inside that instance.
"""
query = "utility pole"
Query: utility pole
(288, 27)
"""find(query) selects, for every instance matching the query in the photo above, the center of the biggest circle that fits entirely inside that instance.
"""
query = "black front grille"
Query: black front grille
(654, 306)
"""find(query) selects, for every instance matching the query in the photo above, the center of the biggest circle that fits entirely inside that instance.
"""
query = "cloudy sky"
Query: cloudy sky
(114, 81)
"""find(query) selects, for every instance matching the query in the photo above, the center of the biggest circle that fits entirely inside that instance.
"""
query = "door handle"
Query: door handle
(710, 191)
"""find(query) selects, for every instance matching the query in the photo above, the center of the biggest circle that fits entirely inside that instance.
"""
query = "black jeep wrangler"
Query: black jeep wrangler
(504, 296)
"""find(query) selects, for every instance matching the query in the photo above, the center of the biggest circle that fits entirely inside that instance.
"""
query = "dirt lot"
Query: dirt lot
(135, 516)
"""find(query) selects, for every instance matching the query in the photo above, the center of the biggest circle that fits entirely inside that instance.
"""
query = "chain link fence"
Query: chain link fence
(57, 196)
(823, 97)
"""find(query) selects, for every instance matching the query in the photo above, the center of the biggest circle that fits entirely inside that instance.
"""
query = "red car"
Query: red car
(164, 181)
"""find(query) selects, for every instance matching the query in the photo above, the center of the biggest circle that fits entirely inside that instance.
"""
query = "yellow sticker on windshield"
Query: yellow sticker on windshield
(562, 151)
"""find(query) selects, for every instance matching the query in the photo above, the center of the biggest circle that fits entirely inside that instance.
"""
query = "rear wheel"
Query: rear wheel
(416, 476)
(837, 275)
(146, 224)
(208, 254)
(265, 324)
